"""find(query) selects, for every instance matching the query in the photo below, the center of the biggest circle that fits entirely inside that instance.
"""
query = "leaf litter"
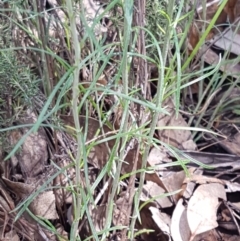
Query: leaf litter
(203, 204)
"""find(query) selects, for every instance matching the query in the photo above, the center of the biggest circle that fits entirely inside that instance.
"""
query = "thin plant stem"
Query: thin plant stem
(159, 99)
(128, 14)
(75, 95)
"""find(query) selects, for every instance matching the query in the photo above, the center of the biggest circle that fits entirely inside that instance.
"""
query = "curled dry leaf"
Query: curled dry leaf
(188, 188)
(99, 154)
(229, 40)
(173, 181)
(156, 157)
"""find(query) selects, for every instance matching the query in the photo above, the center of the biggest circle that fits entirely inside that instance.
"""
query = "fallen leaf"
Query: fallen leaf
(148, 223)
(177, 135)
(161, 219)
(43, 205)
(202, 208)
(180, 230)
(9, 236)
(33, 154)
(229, 186)
(152, 190)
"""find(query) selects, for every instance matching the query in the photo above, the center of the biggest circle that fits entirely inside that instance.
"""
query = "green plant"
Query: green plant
(136, 46)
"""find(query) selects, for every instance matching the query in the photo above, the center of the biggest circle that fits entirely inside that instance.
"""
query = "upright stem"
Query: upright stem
(159, 98)
(128, 13)
(75, 95)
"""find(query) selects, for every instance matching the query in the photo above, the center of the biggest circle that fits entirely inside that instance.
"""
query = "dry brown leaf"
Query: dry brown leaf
(193, 38)
(173, 181)
(43, 205)
(32, 156)
(21, 190)
(212, 58)
(202, 208)
(147, 222)
(177, 136)
(188, 187)
(180, 230)
(152, 190)
(161, 219)
(7, 215)
(211, 235)
(230, 11)
(229, 41)
(230, 186)
(121, 209)
(9, 236)
(157, 156)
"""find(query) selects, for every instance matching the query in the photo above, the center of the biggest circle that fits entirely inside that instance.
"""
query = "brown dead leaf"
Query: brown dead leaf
(121, 209)
(152, 190)
(212, 58)
(230, 11)
(7, 216)
(9, 236)
(43, 205)
(32, 156)
(176, 136)
(229, 41)
(157, 156)
(180, 230)
(202, 208)
(161, 219)
(172, 180)
(148, 223)
(211, 235)
(230, 186)
(193, 38)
